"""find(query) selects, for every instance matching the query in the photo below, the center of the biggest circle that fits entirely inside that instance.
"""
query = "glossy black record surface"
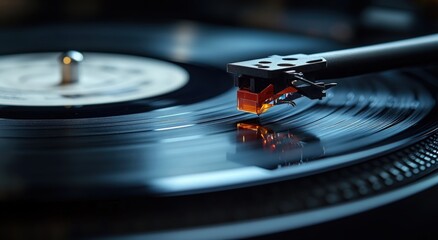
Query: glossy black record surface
(172, 169)
(205, 145)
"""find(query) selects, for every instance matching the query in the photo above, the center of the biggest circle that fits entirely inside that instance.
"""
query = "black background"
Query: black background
(358, 21)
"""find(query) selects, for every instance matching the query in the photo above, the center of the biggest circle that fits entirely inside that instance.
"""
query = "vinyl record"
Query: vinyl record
(152, 145)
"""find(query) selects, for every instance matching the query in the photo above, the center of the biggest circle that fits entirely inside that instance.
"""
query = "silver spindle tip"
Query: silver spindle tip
(70, 66)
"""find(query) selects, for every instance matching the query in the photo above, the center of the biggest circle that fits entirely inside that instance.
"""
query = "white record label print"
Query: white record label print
(38, 79)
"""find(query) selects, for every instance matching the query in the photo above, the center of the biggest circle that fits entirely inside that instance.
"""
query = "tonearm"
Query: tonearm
(274, 80)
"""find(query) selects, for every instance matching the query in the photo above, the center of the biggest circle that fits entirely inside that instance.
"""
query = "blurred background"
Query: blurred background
(341, 20)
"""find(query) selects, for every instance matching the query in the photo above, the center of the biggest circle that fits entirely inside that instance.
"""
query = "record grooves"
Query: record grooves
(187, 162)
(349, 184)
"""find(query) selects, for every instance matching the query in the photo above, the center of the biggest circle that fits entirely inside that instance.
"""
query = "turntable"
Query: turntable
(128, 131)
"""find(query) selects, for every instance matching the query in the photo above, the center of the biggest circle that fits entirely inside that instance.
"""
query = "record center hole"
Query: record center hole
(289, 59)
(265, 62)
(285, 64)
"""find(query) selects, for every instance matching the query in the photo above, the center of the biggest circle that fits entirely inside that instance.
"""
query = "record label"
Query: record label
(35, 79)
